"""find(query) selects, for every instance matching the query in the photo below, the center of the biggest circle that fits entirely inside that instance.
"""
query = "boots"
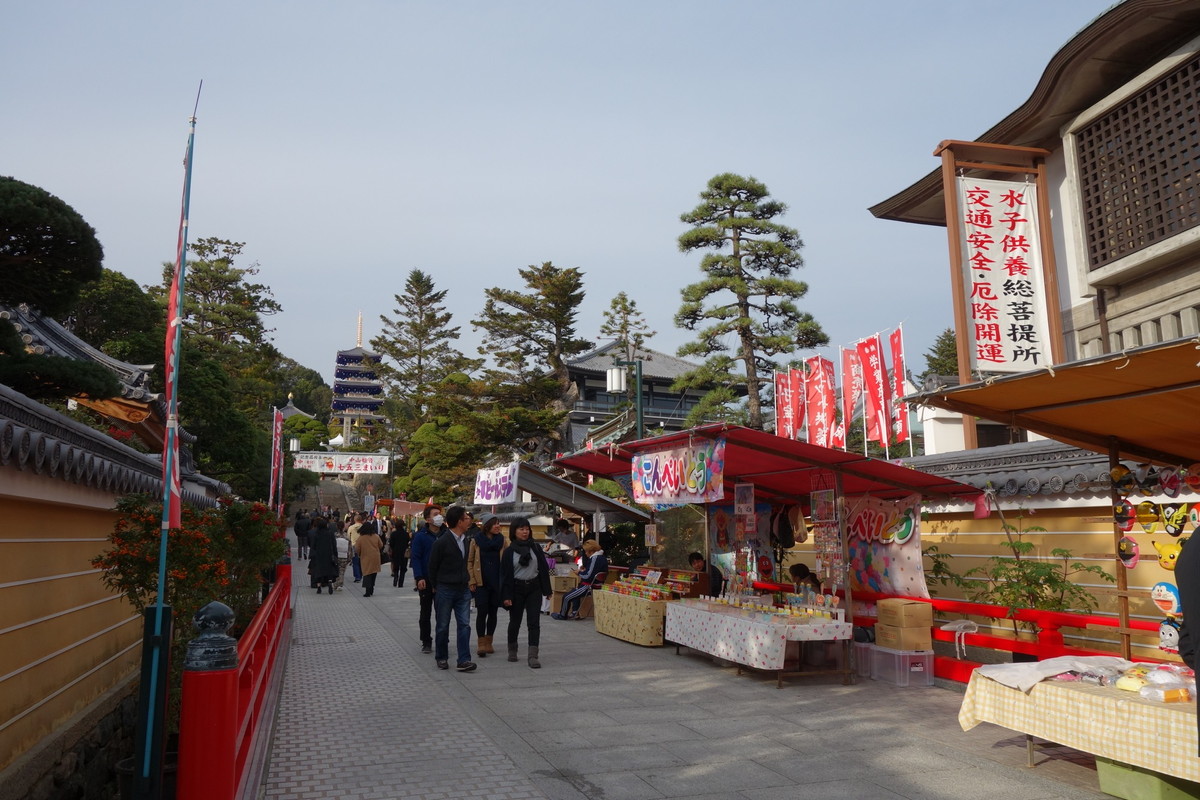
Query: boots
(533, 658)
(490, 649)
(485, 647)
(512, 651)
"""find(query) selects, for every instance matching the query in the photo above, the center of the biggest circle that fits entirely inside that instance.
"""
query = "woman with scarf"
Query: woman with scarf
(524, 581)
(489, 546)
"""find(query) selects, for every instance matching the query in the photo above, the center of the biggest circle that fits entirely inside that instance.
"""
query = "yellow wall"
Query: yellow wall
(64, 638)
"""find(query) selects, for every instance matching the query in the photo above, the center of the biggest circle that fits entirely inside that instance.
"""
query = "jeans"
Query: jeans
(357, 565)
(456, 599)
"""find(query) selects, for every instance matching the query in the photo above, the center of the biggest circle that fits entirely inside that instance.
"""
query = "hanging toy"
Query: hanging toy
(765, 567)
(1123, 514)
(1147, 479)
(1194, 515)
(1166, 597)
(1124, 480)
(1168, 553)
(1168, 636)
(1192, 476)
(1174, 517)
(1129, 552)
(1170, 481)
(1147, 516)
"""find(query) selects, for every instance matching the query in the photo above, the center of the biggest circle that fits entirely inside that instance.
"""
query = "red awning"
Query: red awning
(781, 470)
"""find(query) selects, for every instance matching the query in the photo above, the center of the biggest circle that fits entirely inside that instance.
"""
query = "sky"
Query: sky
(349, 143)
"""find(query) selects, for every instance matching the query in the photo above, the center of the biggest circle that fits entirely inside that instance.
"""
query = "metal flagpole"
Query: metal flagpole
(157, 637)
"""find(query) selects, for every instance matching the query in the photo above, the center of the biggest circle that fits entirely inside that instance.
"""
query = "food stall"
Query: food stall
(755, 487)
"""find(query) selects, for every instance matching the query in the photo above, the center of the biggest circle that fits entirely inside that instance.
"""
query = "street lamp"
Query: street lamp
(616, 383)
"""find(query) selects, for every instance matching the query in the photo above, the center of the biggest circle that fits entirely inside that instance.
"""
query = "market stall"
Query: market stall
(757, 489)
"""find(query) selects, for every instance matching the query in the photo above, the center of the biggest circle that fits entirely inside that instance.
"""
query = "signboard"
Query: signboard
(497, 485)
(884, 539)
(1007, 320)
(681, 475)
(743, 498)
(326, 463)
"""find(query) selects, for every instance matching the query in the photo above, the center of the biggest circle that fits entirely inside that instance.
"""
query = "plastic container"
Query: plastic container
(864, 655)
(902, 667)
(1137, 783)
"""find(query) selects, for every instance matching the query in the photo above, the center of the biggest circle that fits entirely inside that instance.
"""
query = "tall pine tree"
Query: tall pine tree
(751, 293)
(626, 325)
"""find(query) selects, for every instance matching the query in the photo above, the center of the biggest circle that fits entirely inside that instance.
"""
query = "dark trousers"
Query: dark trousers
(573, 599)
(487, 608)
(425, 621)
(302, 545)
(527, 601)
(368, 583)
(399, 570)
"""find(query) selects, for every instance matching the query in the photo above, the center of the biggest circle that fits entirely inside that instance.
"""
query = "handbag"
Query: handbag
(408, 552)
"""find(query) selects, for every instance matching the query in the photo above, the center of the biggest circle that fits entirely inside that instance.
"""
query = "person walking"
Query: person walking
(489, 545)
(398, 544)
(422, 545)
(524, 582)
(453, 586)
(343, 557)
(353, 532)
(322, 561)
(369, 550)
(301, 527)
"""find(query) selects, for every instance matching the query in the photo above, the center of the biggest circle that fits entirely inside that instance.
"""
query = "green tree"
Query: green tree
(942, 358)
(304, 385)
(418, 351)
(47, 251)
(625, 324)
(115, 315)
(530, 337)
(748, 279)
(309, 430)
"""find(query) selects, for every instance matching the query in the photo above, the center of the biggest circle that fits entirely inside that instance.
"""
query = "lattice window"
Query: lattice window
(1138, 166)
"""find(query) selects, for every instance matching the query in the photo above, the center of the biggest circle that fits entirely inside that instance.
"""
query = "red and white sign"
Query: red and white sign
(899, 410)
(875, 407)
(820, 401)
(341, 462)
(1007, 319)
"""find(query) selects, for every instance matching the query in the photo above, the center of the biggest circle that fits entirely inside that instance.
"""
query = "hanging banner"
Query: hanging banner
(820, 401)
(875, 392)
(276, 456)
(693, 474)
(884, 541)
(1007, 320)
(851, 390)
(326, 463)
(496, 485)
(785, 406)
(899, 410)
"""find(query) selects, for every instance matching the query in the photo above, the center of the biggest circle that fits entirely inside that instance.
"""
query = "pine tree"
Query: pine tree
(748, 277)
(626, 325)
(942, 358)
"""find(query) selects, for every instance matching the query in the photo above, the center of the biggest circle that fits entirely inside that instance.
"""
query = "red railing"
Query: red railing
(1048, 642)
(221, 709)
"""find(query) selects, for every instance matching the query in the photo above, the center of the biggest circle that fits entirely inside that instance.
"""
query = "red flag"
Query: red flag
(899, 410)
(797, 379)
(785, 423)
(819, 395)
(852, 384)
(276, 456)
(870, 354)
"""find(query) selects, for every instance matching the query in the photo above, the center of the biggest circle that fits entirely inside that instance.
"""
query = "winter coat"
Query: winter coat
(369, 548)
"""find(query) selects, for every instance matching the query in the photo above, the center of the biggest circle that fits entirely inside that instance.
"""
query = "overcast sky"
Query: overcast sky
(347, 143)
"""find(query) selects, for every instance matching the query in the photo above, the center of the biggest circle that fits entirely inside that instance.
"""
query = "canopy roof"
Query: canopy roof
(782, 470)
(573, 496)
(1143, 404)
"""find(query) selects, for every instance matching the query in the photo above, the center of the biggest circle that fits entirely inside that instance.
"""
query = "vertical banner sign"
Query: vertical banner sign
(899, 410)
(495, 486)
(785, 423)
(870, 355)
(797, 378)
(276, 456)
(681, 475)
(1007, 320)
(821, 415)
(852, 384)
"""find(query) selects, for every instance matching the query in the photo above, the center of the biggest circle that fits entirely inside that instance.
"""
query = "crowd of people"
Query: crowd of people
(456, 562)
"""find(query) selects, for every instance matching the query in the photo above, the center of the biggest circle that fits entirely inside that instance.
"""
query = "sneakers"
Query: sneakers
(426, 648)
(443, 665)
(557, 615)
(466, 666)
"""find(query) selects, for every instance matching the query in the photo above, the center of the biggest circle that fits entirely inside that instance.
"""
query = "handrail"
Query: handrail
(222, 702)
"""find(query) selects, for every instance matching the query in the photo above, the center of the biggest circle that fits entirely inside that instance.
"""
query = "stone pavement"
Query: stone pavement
(364, 715)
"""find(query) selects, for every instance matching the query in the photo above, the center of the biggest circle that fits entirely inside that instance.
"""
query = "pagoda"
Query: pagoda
(357, 390)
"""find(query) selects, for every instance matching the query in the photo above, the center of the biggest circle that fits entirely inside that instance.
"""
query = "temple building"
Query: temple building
(357, 389)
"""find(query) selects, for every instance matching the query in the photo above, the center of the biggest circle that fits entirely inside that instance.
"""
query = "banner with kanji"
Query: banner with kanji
(341, 462)
(899, 409)
(786, 421)
(820, 401)
(852, 384)
(276, 455)
(1007, 319)
(875, 390)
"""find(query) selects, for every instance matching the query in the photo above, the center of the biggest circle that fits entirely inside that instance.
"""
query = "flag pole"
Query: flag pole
(905, 411)
(156, 643)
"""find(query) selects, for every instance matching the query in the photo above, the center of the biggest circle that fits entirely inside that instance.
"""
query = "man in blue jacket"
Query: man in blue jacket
(422, 544)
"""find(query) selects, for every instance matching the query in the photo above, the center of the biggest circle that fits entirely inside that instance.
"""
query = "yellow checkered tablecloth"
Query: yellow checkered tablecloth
(1103, 721)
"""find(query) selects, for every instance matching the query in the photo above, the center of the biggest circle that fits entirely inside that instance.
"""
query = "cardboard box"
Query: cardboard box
(563, 583)
(902, 613)
(895, 638)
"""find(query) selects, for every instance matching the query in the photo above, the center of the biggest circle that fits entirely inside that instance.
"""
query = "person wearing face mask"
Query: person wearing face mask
(524, 581)
(422, 544)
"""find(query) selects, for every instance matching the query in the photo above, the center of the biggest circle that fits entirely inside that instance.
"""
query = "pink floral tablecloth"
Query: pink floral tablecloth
(737, 636)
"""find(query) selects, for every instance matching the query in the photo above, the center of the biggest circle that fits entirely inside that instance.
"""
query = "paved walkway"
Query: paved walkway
(365, 715)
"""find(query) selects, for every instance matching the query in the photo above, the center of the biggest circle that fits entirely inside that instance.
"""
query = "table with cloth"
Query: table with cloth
(1104, 721)
(751, 638)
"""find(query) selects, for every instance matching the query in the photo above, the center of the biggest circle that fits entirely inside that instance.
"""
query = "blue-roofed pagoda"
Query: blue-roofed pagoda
(357, 390)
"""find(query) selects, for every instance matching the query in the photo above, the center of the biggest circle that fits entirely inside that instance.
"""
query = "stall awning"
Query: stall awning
(573, 496)
(1141, 404)
(782, 470)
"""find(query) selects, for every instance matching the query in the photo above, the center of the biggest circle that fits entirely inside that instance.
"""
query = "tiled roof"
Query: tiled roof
(654, 363)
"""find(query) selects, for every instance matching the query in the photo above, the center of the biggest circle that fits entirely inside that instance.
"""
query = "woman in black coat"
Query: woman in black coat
(323, 556)
(398, 545)
(524, 581)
